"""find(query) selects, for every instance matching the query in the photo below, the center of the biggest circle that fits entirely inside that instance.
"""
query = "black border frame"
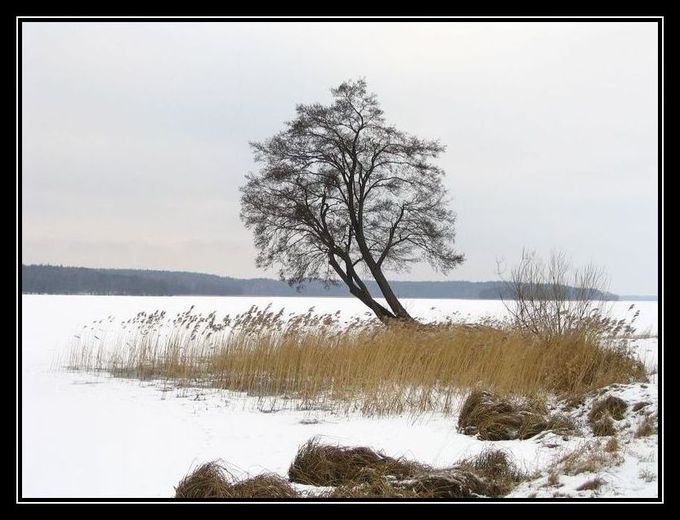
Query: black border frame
(20, 19)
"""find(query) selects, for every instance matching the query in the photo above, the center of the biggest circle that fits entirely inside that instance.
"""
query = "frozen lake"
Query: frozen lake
(94, 436)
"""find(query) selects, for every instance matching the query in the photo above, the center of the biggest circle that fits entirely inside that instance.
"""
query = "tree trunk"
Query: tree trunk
(379, 277)
(361, 293)
(389, 295)
(381, 312)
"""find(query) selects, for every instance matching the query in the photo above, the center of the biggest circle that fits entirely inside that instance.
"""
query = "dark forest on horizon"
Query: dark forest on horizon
(51, 279)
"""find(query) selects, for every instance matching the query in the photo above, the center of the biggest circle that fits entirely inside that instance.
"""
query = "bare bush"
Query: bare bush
(554, 298)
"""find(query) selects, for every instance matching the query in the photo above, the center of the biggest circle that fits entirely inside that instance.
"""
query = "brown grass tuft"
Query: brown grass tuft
(602, 414)
(361, 472)
(612, 445)
(373, 488)
(493, 418)
(590, 457)
(647, 476)
(456, 483)
(639, 406)
(211, 480)
(453, 483)
(263, 486)
(610, 405)
(603, 427)
(496, 468)
(207, 481)
(562, 424)
(591, 484)
(553, 478)
(326, 465)
(648, 426)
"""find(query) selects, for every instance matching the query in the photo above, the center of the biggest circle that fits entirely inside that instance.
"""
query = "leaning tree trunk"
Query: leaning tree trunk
(389, 295)
(379, 277)
(359, 290)
(381, 312)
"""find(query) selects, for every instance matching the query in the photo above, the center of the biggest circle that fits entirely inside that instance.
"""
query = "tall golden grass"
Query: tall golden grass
(309, 361)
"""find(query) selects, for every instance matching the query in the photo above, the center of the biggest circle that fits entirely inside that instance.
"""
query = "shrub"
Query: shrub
(554, 299)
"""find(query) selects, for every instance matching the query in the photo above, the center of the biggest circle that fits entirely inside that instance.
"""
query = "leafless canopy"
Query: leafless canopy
(340, 192)
(554, 298)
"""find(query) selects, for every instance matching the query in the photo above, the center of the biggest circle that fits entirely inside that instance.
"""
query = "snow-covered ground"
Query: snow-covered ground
(86, 435)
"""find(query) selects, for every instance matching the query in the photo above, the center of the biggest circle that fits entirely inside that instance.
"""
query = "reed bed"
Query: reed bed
(314, 360)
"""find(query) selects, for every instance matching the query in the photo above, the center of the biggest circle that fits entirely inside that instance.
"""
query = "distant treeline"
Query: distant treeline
(50, 279)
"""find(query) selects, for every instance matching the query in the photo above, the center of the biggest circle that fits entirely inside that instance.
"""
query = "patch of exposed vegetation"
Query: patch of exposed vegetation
(602, 414)
(591, 485)
(497, 469)
(211, 480)
(590, 457)
(362, 472)
(319, 464)
(612, 445)
(493, 418)
(648, 426)
(317, 361)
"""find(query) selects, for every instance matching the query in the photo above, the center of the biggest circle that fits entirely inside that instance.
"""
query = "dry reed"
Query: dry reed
(315, 361)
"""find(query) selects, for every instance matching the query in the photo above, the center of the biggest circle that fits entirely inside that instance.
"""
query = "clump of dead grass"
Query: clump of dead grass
(602, 414)
(452, 483)
(207, 481)
(612, 445)
(360, 472)
(611, 405)
(211, 480)
(497, 469)
(603, 427)
(591, 485)
(365, 473)
(647, 475)
(328, 465)
(589, 457)
(372, 488)
(648, 426)
(263, 486)
(455, 483)
(493, 418)
(553, 478)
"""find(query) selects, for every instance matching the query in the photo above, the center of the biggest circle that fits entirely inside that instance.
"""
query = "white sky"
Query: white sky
(135, 135)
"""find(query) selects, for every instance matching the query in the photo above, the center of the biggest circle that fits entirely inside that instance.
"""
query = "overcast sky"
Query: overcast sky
(135, 135)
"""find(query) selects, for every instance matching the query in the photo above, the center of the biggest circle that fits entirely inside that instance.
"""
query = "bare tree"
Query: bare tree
(341, 193)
